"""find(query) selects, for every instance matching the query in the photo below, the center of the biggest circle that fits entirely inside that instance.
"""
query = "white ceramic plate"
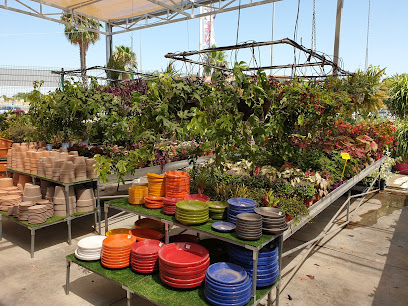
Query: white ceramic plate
(92, 242)
(87, 258)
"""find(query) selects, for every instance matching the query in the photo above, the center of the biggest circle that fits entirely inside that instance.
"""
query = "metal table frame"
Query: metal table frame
(96, 212)
(255, 250)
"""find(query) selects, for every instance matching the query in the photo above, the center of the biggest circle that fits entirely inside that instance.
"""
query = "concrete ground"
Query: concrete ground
(364, 264)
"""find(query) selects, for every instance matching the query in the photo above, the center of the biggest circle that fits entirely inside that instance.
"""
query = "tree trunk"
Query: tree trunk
(82, 55)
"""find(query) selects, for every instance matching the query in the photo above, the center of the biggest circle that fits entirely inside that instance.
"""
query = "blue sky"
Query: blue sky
(29, 41)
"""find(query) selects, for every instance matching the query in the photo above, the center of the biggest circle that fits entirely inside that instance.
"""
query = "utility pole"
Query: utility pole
(337, 35)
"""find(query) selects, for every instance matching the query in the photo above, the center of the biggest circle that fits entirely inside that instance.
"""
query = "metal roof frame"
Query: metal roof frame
(164, 14)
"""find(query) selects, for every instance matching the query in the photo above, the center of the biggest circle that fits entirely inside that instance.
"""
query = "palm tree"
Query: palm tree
(124, 59)
(81, 37)
(216, 58)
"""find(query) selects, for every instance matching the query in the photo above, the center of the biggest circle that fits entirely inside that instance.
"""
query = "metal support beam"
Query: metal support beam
(337, 35)
(108, 28)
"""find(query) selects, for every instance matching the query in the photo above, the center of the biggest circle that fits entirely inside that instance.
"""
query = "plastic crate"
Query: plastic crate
(3, 152)
(5, 143)
(3, 166)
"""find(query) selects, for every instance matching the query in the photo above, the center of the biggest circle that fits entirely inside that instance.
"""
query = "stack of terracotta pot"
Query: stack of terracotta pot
(59, 200)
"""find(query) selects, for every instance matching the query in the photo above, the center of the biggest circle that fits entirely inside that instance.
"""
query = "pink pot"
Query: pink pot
(402, 168)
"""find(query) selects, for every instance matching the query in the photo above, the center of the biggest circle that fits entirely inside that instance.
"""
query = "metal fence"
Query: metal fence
(15, 80)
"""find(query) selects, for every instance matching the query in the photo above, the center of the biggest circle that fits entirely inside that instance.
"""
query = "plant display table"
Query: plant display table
(175, 297)
(54, 220)
(148, 286)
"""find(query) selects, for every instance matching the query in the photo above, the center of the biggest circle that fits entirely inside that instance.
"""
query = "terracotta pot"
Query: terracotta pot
(402, 168)
(308, 202)
(288, 218)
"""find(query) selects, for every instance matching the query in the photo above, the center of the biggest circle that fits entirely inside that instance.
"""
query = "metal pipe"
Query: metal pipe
(68, 273)
(32, 242)
(337, 36)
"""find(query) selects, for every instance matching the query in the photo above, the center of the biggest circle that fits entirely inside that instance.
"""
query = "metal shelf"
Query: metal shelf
(66, 219)
(168, 223)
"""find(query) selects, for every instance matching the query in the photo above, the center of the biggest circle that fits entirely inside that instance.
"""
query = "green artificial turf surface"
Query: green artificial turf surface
(150, 286)
(48, 221)
(49, 179)
(206, 227)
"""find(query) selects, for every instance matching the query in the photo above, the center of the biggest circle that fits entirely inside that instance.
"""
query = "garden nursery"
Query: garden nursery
(245, 160)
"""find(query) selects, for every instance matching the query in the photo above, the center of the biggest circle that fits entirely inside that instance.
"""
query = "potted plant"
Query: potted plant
(397, 103)
(305, 191)
(294, 208)
(383, 173)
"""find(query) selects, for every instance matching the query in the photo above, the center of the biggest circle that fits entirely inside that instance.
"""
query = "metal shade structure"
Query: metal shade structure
(123, 16)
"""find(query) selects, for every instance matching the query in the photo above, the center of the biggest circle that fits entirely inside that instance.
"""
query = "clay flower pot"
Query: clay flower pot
(6, 182)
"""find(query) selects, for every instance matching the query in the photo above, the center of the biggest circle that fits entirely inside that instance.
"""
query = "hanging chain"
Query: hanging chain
(368, 31)
(313, 45)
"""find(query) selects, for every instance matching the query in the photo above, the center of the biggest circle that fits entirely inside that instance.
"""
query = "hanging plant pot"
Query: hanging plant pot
(402, 168)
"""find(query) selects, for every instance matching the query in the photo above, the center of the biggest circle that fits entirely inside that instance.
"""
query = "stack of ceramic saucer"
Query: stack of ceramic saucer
(227, 284)
(116, 251)
(80, 168)
(274, 220)
(218, 210)
(239, 205)
(60, 208)
(50, 207)
(85, 200)
(169, 205)
(156, 187)
(90, 248)
(90, 168)
(37, 214)
(23, 210)
(192, 212)
(7, 202)
(67, 173)
(32, 193)
(183, 264)
(144, 256)
(267, 265)
(249, 226)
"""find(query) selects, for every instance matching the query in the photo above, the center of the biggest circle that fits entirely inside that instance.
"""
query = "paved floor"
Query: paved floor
(364, 264)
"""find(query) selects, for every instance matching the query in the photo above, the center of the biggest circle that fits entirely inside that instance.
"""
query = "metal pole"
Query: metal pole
(255, 254)
(68, 207)
(32, 242)
(62, 79)
(98, 205)
(108, 27)
(337, 35)
(166, 233)
(273, 33)
(106, 216)
(67, 277)
(280, 268)
(200, 69)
